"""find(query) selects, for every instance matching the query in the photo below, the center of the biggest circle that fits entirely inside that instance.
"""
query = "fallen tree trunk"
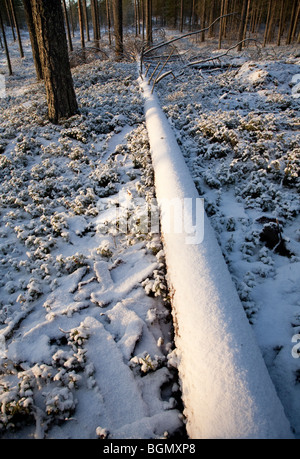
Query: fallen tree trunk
(226, 388)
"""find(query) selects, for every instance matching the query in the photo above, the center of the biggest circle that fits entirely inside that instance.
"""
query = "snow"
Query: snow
(240, 140)
(85, 325)
(226, 387)
(86, 332)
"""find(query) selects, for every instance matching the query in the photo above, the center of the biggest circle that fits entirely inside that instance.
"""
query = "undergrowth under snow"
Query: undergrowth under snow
(238, 127)
(86, 344)
(86, 335)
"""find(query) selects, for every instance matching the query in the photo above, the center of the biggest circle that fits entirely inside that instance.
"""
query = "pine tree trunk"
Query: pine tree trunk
(143, 18)
(295, 22)
(108, 20)
(242, 24)
(211, 19)
(53, 49)
(33, 39)
(221, 24)
(280, 23)
(289, 35)
(267, 23)
(86, 20)
(203, 20)
(13, 12)
(72, 18)
(193, 16)
(95, 20)
(118, 26)
(80, 17)
(270, 32)
(10, 20)
(181, 16)
(148, 21)
(5, 46)
(67, 25)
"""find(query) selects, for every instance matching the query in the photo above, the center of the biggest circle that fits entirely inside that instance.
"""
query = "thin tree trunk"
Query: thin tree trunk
(135, 18)
(211, 18)
(270, 32)
(10, 20)
(280, 23)
(13, 11)
(118, 26)
(203, 20)
(181, 16)
(289, 35)
(295, 22)
(225, 11)
(95, 20)
(108, 20)
(33, 39)
(80, 17)
(5, 46)
(267, 23)
(53, 48)
(143, 19)
(221, 24)
(193, 16)
(148, 21)
(139, 16)
(72, 18)
(67, 25)
(86, 20)
(247, 20)
(242, 24)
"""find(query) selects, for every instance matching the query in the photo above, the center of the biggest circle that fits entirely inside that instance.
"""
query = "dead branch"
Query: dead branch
(202, 61)
(160, 45)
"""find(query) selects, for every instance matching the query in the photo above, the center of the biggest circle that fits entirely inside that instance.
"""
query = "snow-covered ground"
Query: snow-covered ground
(86, 327)
(86, 344)
(239, 130)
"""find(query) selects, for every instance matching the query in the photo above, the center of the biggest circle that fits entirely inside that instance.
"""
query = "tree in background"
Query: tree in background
(148, 20)
(95, 21)
(118, 26)
(53, 49)
(5, 45)
(33, 39)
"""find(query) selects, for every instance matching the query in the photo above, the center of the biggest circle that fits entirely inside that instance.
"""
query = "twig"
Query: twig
(152, 75)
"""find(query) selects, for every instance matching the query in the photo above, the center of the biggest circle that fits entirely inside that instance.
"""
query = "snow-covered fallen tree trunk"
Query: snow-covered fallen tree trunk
(226, 388)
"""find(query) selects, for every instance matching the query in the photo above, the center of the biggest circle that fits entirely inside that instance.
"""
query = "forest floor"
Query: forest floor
(86, 332)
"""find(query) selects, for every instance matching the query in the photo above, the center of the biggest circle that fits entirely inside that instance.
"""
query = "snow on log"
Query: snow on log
(226, 387)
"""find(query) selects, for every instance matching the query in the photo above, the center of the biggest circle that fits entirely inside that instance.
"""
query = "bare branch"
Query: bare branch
(221, 55)
(186, 35)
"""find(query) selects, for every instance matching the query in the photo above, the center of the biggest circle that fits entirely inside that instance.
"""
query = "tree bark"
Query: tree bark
(10, 20)
(86, 20)
(67, 25)
(221, 24)
(13, 12)
(267, 23)
(181, 15)
(53, 49)
(33, 39)
(108, 20)
(80, 17)
(295, 22)
(95, 21)
(118, 26)
(5, 46)
(242, 24)
(203, 6)
(149, 21)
